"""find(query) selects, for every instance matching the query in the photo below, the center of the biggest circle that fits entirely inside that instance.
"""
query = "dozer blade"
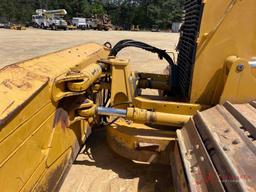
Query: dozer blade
(37, 144)
(218, 150)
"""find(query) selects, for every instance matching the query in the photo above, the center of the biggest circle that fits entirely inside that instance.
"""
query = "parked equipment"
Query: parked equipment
(155, 28)
(135, 28)
(2, 25)
(101, 22)
(49, 19)
(80, 23)
(71, 27)
(203, 126)
(13, 26)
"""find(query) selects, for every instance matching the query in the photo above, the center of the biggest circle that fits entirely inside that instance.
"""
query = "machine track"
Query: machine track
(218, 148)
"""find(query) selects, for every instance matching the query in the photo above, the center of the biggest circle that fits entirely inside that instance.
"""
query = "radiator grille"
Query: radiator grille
(187, 44)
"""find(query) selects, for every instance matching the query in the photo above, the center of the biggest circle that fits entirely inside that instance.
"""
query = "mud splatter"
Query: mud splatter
(62, 117)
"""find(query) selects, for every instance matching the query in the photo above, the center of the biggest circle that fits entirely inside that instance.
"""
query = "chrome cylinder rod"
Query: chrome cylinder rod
(111, 112)
(252, 64)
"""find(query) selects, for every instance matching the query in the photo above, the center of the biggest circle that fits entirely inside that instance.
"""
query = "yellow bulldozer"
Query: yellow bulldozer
(203, 124)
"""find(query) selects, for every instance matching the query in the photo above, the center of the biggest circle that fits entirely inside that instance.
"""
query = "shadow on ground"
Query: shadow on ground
(128, 175)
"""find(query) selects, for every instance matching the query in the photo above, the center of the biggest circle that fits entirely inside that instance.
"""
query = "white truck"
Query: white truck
(80, 23)
(92, 23)
(52, 19)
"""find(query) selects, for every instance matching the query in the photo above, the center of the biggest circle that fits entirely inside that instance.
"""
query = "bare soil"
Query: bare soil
(97, 168)
(17, 46)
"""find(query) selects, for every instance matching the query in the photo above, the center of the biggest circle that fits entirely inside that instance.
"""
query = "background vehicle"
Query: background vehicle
(80, 23)
(135, 28)
(92, 23)
(155, 28)
(37, 21)
(14, 26)
(100, 22)
(2, 25)
(203, 126)
(52, 19)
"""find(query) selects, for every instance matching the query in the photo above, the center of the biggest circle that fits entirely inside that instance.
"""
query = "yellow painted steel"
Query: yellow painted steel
(90, 75)
(154, 81)
(221, 72)
(144, 116)
(125, 138)
(40, 134)
(159, 104)
(75, 81)
(121, 88)
(37, 142)
(228, 28)
(239, 74)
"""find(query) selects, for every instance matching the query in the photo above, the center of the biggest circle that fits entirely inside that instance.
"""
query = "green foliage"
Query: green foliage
(97, 8)
(125, 13)
(145, 13)
(85, 8)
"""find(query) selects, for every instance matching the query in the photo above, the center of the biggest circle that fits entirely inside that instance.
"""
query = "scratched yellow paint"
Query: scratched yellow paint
(33, 152)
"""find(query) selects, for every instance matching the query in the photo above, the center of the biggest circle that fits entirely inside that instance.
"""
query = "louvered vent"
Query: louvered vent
(187, 44)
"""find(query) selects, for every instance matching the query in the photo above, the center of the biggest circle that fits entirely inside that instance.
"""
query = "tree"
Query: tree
(97, 8)
(122, 12)
(85, 8)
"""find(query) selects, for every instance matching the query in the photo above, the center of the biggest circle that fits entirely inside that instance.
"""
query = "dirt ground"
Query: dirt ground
(17, 46)
(99, 169)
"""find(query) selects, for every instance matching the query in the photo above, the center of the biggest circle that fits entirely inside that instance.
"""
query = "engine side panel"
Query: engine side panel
(227, 28)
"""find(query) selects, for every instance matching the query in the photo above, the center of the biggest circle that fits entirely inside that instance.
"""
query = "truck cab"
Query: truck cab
(50, 19)
(57, 23)
(37, 20)
(80, 23)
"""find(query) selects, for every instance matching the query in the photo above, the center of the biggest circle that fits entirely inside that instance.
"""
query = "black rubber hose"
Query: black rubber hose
(162, 54)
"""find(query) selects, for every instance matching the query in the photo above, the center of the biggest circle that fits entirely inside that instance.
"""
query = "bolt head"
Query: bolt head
(194, 169)
(227, 130)
(226, 148)
(236, 141)
(240, 67)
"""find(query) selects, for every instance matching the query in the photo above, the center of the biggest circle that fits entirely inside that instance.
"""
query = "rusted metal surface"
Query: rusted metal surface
(179, 176)
(200, 172)
(227, 132)
(246, 115)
